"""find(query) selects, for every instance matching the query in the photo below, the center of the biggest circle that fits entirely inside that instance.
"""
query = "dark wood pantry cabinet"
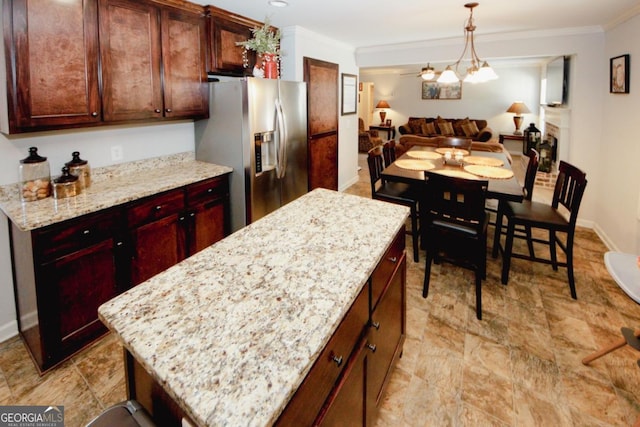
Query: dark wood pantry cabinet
(65, 271)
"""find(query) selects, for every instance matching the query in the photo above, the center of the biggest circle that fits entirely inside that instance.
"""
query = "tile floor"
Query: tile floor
(519, 366)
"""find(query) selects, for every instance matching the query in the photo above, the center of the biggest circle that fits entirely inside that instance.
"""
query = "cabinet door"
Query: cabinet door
(386, 333)
(131, 56)
(208, 225)
(70, 290)
(157, 246)
(186, 91)
(224, 31)
(346, 406)
(56, 68)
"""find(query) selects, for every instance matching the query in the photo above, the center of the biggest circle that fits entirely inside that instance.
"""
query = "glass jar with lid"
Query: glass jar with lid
(81, 169)
(35, 177)
(66, 185)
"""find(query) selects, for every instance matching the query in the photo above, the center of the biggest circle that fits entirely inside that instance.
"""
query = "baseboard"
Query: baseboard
(605, 239)
(8, 330)
(349, 183)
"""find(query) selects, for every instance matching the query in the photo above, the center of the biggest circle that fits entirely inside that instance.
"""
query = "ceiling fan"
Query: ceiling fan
(426, 73)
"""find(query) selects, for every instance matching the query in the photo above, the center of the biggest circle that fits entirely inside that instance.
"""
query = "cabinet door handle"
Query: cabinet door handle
(168, 110)
(181, 218)
(375, 325)
(119, 243)
(158, 207)
(192, 214)
(94, 114)
(209, 190)
(157, 110)
(86, 232)
(372, 347)
(393, 259)
(337, 359)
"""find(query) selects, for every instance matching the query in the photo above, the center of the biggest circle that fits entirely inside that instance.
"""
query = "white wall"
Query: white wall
(488, 101)
(138, 142)
(618, 207)
(298, 43)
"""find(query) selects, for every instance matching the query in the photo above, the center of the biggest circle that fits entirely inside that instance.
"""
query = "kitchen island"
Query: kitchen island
(231, 333)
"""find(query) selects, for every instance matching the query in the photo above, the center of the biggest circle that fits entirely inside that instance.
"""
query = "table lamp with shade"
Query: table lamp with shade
(518, 108)
(382, 104)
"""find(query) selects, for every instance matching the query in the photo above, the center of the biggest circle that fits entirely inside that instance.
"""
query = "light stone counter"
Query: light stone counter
(231, 332)
(111, 186)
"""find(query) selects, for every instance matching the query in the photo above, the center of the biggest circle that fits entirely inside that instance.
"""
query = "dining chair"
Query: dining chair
(389, 152)
(394, 192)
(455, 230)
(527, 191)
(455, 142)
(568, 191)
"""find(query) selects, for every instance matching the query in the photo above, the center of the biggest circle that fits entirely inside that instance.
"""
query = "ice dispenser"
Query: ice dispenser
(265, 151)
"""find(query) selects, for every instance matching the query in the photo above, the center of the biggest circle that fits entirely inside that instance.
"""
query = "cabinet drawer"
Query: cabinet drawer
(310, 396)
(387, 265)
(155, 208)
(207, 190)
(75, 234)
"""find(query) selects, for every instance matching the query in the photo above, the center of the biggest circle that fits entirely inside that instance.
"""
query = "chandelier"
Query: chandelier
(479, 71)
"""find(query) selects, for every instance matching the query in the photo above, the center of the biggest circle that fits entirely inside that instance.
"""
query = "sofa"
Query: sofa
(407, 141)
(475, 129)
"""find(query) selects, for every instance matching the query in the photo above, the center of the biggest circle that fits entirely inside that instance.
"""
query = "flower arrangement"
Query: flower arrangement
(264, 40)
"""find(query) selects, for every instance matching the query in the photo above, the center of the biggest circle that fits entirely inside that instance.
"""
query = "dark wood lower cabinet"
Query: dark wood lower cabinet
(65, 271)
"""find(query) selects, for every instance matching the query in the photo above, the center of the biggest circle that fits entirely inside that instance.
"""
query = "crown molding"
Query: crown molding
(622, 18)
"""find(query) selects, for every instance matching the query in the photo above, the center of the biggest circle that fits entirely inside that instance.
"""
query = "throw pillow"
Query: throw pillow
(416, 125)
(446, 128)
(429, 129)
(470, 129)
(457, 126)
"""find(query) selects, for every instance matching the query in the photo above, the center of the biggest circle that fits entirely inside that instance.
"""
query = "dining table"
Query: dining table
(494, 167)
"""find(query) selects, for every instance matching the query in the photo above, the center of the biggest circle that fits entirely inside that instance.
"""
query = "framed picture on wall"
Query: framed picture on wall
(619, 74)
(349, 94)
(435, 90)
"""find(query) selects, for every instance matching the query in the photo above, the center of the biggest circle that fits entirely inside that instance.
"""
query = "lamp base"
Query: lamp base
(383, 114)
(517, 120)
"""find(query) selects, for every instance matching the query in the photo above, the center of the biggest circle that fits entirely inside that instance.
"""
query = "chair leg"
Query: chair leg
(506, 256)
(497, 233)
(415, 235)
(427, 274)
(569, 253)
(552, 250)
(479, 295)
(529, 241)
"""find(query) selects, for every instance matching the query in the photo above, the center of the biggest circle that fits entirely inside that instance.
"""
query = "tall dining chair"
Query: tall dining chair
(527, 191)
(389, 152)
(394, 192)
(568, 192)
(455, 230)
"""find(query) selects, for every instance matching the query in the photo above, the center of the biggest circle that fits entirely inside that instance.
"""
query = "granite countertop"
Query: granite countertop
(111, 186)
(232, 331)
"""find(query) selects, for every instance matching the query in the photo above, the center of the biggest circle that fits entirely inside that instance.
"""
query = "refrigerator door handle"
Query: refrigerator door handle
(281, 148)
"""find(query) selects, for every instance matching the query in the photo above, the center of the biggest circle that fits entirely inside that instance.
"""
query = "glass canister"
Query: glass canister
(35, 177)
(66, 185)
(81, 169)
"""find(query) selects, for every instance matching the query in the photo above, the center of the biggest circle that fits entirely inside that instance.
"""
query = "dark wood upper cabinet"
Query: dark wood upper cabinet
(90, 62)
(153, 62)
(224, 30)
(52, 77)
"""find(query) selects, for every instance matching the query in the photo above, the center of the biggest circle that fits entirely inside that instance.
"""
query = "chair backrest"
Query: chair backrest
(455, 201)
(389, 152)
(569, 189)
(455, 142)
(530, 175)
(376, 166)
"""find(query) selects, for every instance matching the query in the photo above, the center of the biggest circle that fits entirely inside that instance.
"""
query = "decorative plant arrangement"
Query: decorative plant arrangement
(266, 43)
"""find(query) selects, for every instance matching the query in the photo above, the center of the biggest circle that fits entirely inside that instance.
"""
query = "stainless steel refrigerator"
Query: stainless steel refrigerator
(259, 128)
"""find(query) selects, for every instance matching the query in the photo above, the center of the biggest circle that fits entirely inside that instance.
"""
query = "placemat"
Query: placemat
(456, 173)
(483, 161)
(453, 151)
(416, 165)
(427, 155)
(489, 171)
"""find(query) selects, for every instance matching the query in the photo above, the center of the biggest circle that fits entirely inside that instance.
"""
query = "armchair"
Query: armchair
(367, 139)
